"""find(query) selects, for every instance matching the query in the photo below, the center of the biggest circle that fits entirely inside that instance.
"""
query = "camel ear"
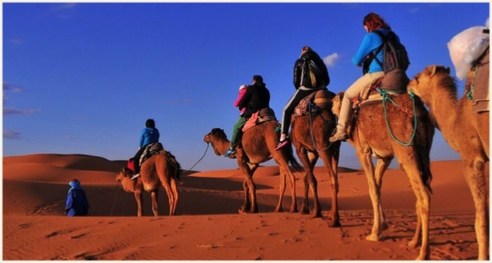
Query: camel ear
(433, 70)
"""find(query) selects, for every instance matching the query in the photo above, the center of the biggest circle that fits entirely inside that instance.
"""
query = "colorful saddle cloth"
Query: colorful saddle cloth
(265, 114)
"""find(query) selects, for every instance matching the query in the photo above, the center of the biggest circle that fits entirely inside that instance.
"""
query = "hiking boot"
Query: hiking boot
(282, 143)
(230, 152)
(339, 136)
(135, 176)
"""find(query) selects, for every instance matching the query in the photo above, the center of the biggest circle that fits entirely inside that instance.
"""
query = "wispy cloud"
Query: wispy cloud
(14, 135)
(16, 111)
(487, 23)
(7, 88)
(330, 60)
(414, 10)
(185, 101)
(69, 137)
(64, 11)
(17, 41)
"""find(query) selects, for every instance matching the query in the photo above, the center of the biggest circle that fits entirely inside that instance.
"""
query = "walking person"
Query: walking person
(76, 203)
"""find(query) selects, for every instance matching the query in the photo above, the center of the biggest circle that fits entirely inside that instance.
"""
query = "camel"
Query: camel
(385, 131)
(309, 135)
(160, 169)
(466, 132)
(258, 146)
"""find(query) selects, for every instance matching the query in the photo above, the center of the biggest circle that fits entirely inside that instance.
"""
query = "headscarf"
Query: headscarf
(75, 184)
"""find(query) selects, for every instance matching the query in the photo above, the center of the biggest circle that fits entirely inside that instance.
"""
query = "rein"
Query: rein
(208, 144)
(387, 97)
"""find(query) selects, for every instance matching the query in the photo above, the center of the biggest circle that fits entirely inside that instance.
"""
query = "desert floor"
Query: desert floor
(207, 225)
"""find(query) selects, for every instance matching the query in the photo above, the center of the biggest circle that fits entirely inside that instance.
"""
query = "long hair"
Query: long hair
(373, 21)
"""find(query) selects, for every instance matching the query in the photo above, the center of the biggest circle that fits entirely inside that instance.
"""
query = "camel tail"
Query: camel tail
(292, 160)
(177, 168)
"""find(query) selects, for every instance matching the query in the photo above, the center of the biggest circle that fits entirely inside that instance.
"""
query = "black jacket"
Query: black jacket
(310, 55)
(255, 98)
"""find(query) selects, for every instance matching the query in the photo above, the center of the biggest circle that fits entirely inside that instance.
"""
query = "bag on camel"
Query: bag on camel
(395, 54)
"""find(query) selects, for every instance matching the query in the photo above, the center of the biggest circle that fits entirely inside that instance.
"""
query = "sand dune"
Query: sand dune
(208, 226)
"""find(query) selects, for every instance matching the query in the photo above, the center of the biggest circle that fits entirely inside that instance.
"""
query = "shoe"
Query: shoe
(282, 143)
(229, 152)
(135, 176)
(339, 136)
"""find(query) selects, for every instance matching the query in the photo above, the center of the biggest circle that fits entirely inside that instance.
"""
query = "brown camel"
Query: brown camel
(309, 135)
(387, 130)
(466, 132)
(257, 146)
(159, 169)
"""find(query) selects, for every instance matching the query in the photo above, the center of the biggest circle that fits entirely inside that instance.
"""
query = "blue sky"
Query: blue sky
(83, 78)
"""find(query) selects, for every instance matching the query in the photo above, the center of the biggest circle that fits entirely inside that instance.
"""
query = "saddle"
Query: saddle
(149, 150)
(393, 83)
(312, 103)
(477, 84)
(263, 115)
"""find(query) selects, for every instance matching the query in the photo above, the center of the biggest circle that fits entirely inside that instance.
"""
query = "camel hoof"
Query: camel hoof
(278, 210)
(304, 210)
(293, 210)
(384, 226)
(374, 238)
(241, 211)
(316, 215)
(334, 224)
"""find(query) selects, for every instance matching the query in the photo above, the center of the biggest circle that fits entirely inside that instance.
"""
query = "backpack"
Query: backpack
(395, 54)
(315, 73)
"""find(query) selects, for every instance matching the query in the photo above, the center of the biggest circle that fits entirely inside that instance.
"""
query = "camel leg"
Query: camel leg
(249, 186)
(308, 166)
(333, 176)
(175, 193)
(292, 183)
(381, 167)
(139, 199)
(170, 196)
(364, 155)
(155, 206)
(475, 177)
(281, 191)
(313, 185)
(423, 208)
(247, 202)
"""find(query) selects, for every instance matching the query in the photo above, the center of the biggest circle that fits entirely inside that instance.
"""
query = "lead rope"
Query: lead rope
(208, 144)
(386, 97)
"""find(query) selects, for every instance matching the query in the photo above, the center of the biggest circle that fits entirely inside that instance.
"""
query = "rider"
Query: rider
(256, 97)
(303, 86)
(370, 42)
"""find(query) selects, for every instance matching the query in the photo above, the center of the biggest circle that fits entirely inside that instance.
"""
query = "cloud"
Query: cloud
(10, 87)
(16, 111)
(414, 10)
(330, 60)
(487, 23)
(17, 41)
(64, 11)
(14, 135)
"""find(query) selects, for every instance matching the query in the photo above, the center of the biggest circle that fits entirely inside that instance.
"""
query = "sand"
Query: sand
(207, 225)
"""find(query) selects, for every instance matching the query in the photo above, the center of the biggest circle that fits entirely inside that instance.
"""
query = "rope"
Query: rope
(311, 130)
(200, 158)
(386, 97)
(114, 201)
(469, 95)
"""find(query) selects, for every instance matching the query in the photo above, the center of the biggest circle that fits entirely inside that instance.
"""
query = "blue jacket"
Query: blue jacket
(149, 135)
(76, 204)
(370, 42)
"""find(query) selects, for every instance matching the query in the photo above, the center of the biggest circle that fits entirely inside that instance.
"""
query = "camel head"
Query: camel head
(215, 134)
(124, 173)
(337, 103)
(432, 75)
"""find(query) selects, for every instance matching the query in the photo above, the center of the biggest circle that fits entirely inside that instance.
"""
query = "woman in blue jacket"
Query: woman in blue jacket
(363, 57)
(77, 203)
(150, 134)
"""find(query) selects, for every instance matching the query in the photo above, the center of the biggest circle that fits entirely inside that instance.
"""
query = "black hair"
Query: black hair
(150, 123)
(258, 78)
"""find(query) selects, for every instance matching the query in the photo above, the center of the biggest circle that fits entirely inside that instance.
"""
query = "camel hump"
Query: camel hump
(263, 115)
(320, 99)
